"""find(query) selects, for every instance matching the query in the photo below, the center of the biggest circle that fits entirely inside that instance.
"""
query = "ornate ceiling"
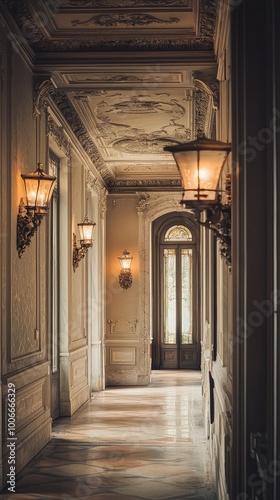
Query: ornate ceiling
(129, 76)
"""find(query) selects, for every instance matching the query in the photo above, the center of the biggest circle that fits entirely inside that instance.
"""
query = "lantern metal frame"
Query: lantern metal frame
(217, 210)
(29, 216)
(125, 276)
(79, 252)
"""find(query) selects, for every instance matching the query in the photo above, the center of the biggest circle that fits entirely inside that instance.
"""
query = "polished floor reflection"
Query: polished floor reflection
(130, 443)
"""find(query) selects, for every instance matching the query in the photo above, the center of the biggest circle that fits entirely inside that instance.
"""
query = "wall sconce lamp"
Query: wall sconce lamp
(86, 229)
(200, 163)
(39, 187)
(125, 276)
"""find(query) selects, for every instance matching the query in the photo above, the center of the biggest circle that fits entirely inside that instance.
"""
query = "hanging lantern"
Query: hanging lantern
(39, 187)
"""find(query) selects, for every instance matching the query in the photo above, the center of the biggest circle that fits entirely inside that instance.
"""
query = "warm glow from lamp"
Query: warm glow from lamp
(202, 175)
(39, 187)
(86, 229)
(200, 163)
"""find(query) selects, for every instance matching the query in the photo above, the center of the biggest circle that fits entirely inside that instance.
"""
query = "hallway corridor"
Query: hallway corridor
(130, 443)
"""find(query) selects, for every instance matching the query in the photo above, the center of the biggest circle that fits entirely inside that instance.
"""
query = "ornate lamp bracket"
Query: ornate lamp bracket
(27, 225)
(79, 253)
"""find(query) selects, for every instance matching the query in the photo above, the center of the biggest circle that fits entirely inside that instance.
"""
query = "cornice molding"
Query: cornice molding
(208, 17)
(123, 4)
(124, 44)
(127, 186)
(72, 117)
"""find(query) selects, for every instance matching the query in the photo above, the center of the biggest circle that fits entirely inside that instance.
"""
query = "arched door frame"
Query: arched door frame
(159, 228)
(150, 207)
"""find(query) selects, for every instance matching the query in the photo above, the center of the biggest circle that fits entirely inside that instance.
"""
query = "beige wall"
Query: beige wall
(123, 360)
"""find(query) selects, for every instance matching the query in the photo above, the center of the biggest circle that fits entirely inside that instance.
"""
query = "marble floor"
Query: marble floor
(130, 443)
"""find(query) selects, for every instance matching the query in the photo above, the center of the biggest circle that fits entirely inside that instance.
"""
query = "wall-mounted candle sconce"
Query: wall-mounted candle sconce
(39, 187)
(86, 229)
(125, 276)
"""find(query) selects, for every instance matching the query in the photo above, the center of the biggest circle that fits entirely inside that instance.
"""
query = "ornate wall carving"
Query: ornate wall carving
(58, 134)
(124, 353)
(210, 79)
(102, 193)
(204, 108)
(122, 325)
(41, 96)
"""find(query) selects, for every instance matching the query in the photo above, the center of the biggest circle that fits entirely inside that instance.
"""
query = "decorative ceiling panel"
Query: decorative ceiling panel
(121, 25)
(124, 4)
(123, 111)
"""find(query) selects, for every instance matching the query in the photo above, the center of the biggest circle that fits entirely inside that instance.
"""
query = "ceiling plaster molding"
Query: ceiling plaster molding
(208, 16)
(37, 38)
(122, 4)
(204, 108)
(72, 117)
(130, 19)
(161, 43)
(139, 168)
(24, 19)
(130, 186)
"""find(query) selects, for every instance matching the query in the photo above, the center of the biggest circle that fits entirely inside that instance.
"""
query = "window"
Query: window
(178, 233)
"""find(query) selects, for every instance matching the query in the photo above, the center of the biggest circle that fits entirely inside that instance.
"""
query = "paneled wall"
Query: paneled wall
(216, 362)
(26, 285)
(24, 320)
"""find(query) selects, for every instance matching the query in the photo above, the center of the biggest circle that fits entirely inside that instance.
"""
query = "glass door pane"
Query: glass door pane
(170, 296)
(186, 297)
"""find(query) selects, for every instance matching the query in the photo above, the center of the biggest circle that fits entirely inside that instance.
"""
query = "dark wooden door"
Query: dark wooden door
(176, 341)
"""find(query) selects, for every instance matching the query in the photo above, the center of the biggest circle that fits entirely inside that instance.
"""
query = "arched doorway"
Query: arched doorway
(176, 335)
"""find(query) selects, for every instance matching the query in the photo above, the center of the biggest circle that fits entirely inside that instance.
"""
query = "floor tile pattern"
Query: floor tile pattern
(131, 443)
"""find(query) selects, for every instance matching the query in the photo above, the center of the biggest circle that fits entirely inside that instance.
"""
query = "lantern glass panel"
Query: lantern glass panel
(39, 187)
(86, 230)
(125, 262)
(200, 170)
